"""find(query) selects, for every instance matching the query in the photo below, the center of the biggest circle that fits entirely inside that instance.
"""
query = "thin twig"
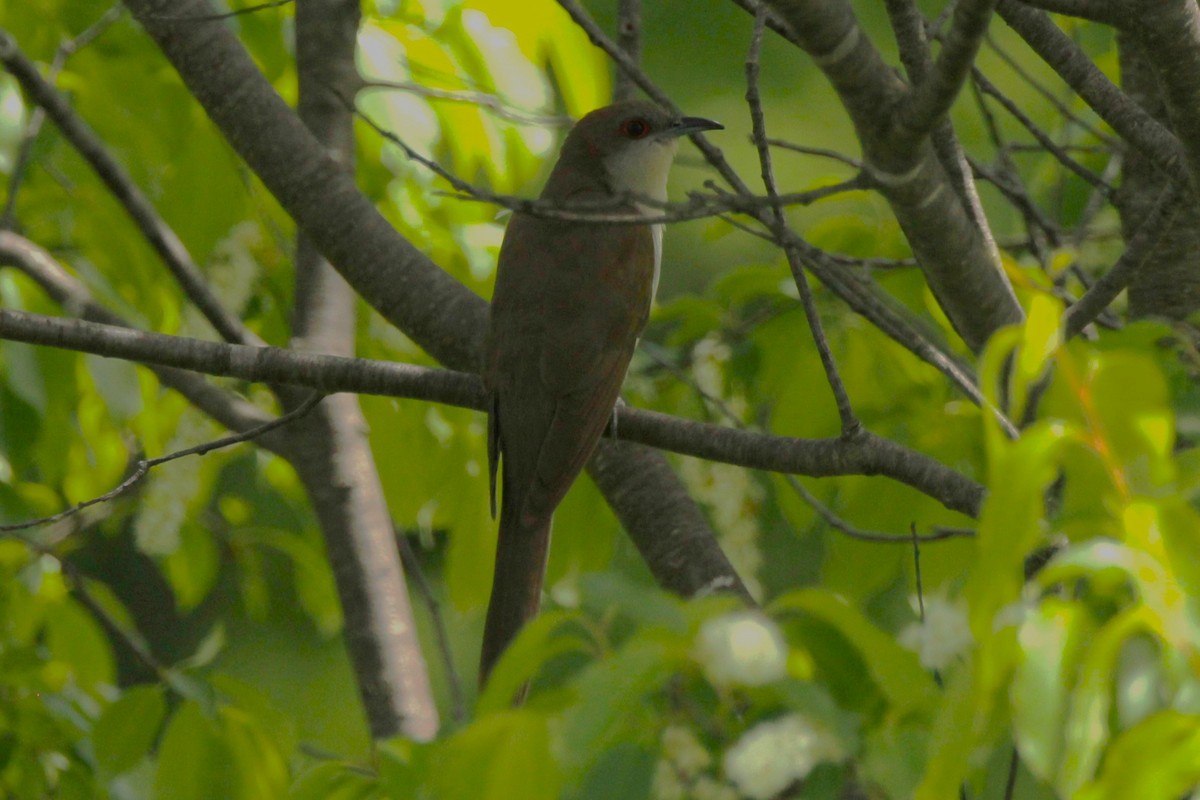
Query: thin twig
(850, 423)
(412, 568)
(143, 466)
(1066, 111)
(831, 518)
(491, 102)
(1043, 138)
(817, 151)
(254, 9)
(629, 39)
(1137, 252)
(34, 126)
(614, 211)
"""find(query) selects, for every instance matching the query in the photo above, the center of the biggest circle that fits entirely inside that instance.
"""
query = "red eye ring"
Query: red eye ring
(635, 128)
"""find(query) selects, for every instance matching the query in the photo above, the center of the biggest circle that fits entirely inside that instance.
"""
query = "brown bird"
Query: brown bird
(571, 300)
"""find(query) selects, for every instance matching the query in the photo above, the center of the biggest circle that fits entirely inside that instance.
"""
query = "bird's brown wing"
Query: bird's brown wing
(594, 320)
(561, 342)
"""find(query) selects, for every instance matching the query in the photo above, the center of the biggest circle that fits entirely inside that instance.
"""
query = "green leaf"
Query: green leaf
(128, 728)
(1052, 640)
(331, 781)
(1130, 399)
(896, 671)
(1041, 336)
(74, 637)
(1087, 726)
(209, 648)
(192, 565)
(1157, 759)
(402, 766)
(538, 642)
(609, 698)
(194, 760)
(624, 771)
(498, 757)
(648, 606)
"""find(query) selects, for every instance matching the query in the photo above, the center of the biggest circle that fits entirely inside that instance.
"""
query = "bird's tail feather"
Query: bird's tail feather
(521, 552)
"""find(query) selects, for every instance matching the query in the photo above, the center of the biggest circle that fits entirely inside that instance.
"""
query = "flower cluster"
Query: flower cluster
(773, 755)
(743, 648)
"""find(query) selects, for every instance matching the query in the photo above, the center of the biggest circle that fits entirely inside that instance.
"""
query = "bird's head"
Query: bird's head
(628, 146)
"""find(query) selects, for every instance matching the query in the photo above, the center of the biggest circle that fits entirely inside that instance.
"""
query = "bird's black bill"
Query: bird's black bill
(690, 125)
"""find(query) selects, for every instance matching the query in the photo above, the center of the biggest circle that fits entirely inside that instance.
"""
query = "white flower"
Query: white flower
(744, 647)
(775, 754)
(684, 750)
(943, 635)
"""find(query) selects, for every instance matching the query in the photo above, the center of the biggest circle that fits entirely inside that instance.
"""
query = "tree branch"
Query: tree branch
(1140, 247)
(1124, 116)
(1170, 34)
(861, 454)
(929, 100)
(1093, 10)
(230, 410)
(156, 231)
(330, 451)
(849, 422)
(960, 265)
(629, 39)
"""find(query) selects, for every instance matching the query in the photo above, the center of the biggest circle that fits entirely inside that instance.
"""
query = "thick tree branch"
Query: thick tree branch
(156, 231)
(330, 451)
(909, 26)
(959, 263)
(929, 100)
(1093, 10)
(1169, 31)
(1124, 116)
(860, 454)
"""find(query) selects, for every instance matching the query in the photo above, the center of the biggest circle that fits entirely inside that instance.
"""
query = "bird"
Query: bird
(570, 302)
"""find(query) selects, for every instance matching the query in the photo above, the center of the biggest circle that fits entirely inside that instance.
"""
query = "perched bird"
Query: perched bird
(571, 300)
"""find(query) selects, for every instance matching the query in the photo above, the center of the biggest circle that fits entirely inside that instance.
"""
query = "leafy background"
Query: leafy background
(217, 564)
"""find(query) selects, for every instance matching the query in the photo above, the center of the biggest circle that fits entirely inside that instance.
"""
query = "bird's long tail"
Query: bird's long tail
(521, 552)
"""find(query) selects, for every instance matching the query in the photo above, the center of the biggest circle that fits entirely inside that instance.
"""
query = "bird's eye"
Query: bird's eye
(635, 128)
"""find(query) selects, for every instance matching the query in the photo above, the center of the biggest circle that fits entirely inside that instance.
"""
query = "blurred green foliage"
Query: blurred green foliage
(1090, 670)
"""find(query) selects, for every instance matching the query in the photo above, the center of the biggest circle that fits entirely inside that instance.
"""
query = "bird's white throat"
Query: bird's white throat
(641, 168)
